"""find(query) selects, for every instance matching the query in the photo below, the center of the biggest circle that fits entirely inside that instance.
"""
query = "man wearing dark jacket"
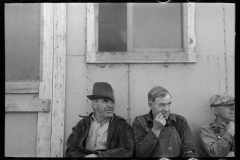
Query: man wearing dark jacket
(102, 133)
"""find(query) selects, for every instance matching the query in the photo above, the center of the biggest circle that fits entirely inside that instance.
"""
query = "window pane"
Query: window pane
(22, 42)
(157, 26)
(112, 33)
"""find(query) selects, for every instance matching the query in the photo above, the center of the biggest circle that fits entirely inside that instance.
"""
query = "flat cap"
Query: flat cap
(223, 99)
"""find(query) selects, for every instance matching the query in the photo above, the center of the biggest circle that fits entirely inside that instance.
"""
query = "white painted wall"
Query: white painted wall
(191, 85)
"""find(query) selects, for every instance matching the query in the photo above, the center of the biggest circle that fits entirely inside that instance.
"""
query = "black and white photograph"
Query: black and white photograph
(106, 79)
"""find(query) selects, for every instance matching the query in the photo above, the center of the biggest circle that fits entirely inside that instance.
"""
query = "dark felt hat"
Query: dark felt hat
(102, 90)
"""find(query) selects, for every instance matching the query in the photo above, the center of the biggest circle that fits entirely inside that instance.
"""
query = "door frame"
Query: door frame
(50, 104)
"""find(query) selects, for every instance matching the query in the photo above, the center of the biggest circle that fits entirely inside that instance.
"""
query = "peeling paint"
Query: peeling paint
(111, 65)
(190, 41)
(166, 66)
(101, 65)
(35, 96)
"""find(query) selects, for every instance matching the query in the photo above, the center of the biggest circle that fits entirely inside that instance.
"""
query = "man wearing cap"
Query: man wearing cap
(102, 133)
(161, 133)
(217, 138)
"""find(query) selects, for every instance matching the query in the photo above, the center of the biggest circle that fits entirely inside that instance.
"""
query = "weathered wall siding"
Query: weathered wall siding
(24, 144)
(59, 79)
(230, 46)
(231, 75)
(76, 91)
(46, 85)
(76, 70)
(209, 29)
(76, 24)
(191, 85)
(229, 10)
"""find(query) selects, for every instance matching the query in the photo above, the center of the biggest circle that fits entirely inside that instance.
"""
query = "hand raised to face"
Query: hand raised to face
(159, 122)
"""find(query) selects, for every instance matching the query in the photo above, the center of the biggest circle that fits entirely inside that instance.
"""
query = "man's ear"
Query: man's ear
(150, 104)
(94, 105)
(215, 110)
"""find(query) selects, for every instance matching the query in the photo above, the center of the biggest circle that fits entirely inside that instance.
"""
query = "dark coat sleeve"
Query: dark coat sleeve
(73, 148)
(145, 142)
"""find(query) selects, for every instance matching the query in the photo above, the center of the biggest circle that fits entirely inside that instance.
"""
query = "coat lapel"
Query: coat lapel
(111, 129)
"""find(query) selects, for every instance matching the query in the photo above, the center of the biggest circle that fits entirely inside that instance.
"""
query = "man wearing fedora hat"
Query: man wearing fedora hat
(102, 133)
(217, 138)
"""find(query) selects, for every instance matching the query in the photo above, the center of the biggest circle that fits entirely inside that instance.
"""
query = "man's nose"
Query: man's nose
(110, 104)
(166, 108)
(233, 107)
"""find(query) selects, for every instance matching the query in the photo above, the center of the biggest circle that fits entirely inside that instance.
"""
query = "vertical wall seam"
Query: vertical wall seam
(225, 50)
(50, 152)
(219, 80)
(85, 60)
(129, 108)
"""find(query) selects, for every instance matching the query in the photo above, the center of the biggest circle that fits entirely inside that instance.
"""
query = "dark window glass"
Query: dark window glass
(112, 31)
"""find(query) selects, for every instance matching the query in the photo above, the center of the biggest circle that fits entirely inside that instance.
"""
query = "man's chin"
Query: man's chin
(109, 114)
(166, 116)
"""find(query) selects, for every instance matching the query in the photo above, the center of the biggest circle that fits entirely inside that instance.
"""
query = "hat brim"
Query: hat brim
(91, 97)
(226, 103)
(231, 102)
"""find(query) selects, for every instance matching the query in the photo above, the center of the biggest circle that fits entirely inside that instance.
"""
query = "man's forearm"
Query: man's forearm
(145, 147)
(156, 132)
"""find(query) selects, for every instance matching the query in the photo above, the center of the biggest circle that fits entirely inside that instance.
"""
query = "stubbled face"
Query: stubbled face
(226, 112)
(161, 105)
(104, 108)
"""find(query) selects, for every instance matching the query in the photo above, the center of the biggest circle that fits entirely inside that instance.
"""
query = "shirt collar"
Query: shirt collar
(215, 124)
(93, 118)
(169, 120)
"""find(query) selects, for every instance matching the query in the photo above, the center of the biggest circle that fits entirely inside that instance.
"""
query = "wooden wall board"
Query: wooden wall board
(43, 148)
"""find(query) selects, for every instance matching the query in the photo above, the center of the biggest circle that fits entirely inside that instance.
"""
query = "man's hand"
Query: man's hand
(92, 155)
(158, 124)
(231, 154)
(231, 128)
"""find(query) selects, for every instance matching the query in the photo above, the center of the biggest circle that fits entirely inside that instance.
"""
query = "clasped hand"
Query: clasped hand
(158, 123)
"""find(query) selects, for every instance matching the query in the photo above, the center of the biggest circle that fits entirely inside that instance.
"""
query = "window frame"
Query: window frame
(188, 55)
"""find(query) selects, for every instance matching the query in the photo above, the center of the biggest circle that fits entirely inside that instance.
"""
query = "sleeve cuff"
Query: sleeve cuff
(152, 136)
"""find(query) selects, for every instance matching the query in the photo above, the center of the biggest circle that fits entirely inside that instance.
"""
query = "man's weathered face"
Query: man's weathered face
(104, 108)
(161, 105)
(225, 112)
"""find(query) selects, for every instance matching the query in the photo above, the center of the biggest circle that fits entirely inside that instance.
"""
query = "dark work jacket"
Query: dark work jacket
(119, 141)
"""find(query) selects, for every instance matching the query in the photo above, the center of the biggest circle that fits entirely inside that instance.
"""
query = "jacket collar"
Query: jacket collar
(89, 118)
(111, 128)
(92, 118)
(172, 117)
(216, 125)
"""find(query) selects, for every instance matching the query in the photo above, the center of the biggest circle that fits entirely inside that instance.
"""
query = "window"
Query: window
(22, 42)
(140, 33)
(22, 47)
